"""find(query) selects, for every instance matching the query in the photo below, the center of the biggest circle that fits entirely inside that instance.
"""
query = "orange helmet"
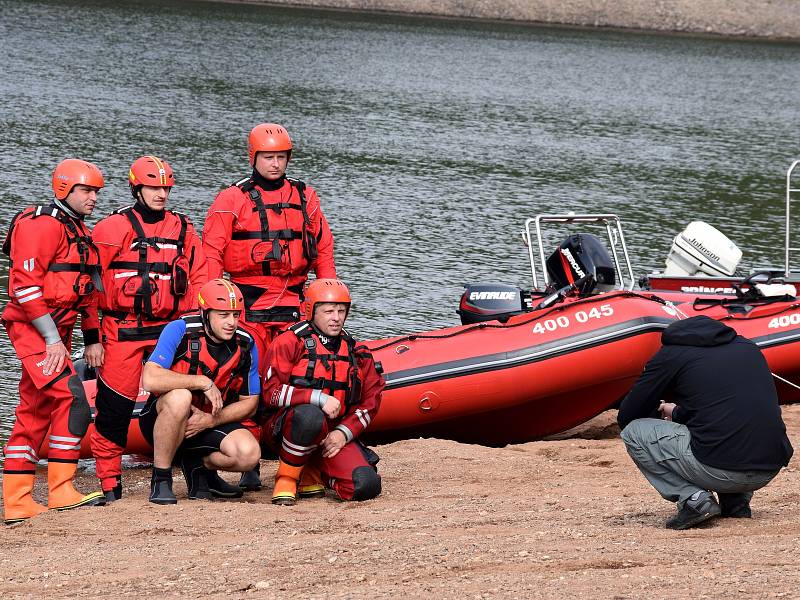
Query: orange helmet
(150, 170)
(72, 172)
(325, 290)
(220, 294)
(268, 137)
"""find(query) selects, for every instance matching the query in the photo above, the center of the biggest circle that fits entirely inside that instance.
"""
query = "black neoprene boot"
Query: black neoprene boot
(195, 475)
(221, 488)
(161, 487)
(251, 480)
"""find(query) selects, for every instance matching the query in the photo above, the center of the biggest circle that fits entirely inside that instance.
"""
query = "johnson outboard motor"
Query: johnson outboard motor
(702, 250)
(489, 301)
(580, 255)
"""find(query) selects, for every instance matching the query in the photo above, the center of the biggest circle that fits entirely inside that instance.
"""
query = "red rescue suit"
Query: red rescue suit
(54, 269)
(300, 368)
(268, 241)
(153, 266)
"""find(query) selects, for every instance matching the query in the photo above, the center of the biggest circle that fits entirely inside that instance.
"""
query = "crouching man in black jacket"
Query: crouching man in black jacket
(720, 432)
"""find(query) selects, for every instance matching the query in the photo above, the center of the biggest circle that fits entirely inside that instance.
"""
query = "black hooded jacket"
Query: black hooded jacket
(724, 393)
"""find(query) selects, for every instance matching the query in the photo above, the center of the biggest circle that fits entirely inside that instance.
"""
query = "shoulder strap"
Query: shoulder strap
(194, 331)
(300, 186)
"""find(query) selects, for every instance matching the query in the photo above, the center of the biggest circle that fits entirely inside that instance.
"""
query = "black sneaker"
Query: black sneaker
(161, 491)
(736, 506)
(195, 475)
(697, 509)
(221, 488)
(251, 480)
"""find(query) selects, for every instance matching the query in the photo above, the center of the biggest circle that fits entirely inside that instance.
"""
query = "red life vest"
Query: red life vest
(72, 277)
(335, 373)
(192, 357)
(258, 249)
(150, 278)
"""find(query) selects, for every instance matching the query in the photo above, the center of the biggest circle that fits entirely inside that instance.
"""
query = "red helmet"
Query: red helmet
(325, 290)
(268, 137)
(72, 172)
(150, 170)
(220, 294)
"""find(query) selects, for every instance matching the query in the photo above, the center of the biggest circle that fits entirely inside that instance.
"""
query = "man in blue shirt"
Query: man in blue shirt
(203, 380)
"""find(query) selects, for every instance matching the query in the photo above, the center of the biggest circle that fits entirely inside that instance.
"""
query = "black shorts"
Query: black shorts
(204, 443)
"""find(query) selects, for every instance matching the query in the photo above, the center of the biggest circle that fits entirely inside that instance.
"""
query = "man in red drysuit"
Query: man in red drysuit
(153, 266)
(53, 275)
(268, 232)
(322, 390)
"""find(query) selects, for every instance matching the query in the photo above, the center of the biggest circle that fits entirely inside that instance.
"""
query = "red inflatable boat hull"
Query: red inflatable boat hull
(541, 372)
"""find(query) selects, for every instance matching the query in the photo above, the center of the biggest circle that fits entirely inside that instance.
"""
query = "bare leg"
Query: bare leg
(239, 451)
(170, 427)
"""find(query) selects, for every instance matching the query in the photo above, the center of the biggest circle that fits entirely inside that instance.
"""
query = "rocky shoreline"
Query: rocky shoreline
(765, 19)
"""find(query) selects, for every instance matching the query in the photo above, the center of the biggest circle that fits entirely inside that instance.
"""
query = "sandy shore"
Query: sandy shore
(772, 19)
(560, 518)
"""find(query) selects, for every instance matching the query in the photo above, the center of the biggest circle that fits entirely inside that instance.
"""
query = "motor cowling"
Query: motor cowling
(701, 249)
(490, 301)
(579, 255)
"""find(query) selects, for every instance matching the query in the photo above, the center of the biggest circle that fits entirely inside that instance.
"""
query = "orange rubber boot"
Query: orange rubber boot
(62, 494)
(17, 501)
(311, 485)
(286, 478)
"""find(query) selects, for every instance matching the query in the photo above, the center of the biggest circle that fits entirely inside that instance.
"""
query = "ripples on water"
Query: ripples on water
(429, 141)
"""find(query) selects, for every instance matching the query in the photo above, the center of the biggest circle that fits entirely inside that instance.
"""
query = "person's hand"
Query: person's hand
(55, 355)
(94, 355)
(198, 421)
(213, 396)
(332, 443)
(331, 407)
(666, 409)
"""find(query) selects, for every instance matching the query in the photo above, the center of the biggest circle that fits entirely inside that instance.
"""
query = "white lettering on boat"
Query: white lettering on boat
(701, 289)
(784, 321)
(582, 316)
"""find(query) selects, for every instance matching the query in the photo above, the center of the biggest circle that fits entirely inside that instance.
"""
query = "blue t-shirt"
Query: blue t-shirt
(167, 352)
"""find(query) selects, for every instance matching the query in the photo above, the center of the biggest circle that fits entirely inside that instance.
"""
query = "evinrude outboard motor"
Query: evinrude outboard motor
(580, 255)
(701, 249)
(489, 301)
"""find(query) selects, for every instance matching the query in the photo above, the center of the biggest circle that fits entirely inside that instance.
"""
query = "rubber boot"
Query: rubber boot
(311, 485)
(251, 480)
(115, 493)
(286, 478)
(17, 500)
(62, 494)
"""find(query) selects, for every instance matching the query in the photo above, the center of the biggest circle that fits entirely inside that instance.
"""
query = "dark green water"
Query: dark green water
(429, 141)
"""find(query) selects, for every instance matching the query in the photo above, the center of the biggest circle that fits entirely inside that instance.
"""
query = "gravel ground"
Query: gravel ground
(567, 517)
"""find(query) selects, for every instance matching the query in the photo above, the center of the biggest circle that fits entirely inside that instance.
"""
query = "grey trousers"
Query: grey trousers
(661, 451)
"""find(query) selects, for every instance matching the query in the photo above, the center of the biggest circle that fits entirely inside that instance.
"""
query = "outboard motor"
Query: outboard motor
(489, 301)
(580, 255)
(701, 249)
